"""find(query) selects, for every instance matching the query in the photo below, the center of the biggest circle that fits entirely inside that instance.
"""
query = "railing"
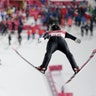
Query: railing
(53, 87)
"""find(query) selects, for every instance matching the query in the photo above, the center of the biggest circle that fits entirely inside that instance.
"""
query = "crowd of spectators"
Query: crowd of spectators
(44, 16)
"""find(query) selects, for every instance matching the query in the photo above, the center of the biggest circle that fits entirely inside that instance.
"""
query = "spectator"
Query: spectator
(28, 34)
(13, 26)
(9, 13)
(63, 22)
(40, 32)
(19, 39)
(91, 26)
(43, 1)
(86, 28)
(20, 25)
(9, 38)
(83, 20)
(1, 26)
(3, 15)
(70, 21)
(5, 28)
(82, 29)
(27, 13)
(78, 20)
(33, 32)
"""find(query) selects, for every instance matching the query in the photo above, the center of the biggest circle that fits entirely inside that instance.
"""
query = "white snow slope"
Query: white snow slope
(18, 78)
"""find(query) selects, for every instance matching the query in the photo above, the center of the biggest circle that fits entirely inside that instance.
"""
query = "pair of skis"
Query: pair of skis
(90, 57)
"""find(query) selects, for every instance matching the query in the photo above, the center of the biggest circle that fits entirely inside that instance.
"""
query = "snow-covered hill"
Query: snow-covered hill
(17, 78)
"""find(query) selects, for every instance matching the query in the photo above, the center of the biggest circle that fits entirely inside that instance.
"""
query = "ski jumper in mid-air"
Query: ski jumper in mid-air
(57, 41)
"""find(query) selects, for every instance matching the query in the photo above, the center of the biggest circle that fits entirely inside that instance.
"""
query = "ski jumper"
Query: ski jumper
(57, 42)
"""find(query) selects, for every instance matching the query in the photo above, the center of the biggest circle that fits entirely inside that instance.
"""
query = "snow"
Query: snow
(18, 78)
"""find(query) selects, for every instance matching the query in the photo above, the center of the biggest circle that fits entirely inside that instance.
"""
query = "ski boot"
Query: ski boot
(41, 69)
(76, 70)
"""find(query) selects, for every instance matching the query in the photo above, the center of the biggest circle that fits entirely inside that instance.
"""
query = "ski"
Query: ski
(27, 61)
(90, 57)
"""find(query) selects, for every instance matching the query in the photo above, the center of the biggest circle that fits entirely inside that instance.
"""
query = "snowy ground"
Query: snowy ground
(17, 78)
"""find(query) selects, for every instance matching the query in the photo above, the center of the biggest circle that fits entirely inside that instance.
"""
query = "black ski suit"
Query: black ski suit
(57, 42)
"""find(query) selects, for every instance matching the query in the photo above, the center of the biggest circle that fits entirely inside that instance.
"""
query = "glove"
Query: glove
(78, 41)
(40, 40)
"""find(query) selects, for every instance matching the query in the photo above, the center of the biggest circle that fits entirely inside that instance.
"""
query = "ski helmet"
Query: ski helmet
(55, 27)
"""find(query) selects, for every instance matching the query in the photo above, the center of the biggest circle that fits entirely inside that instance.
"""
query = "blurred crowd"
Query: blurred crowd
(13, 19)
